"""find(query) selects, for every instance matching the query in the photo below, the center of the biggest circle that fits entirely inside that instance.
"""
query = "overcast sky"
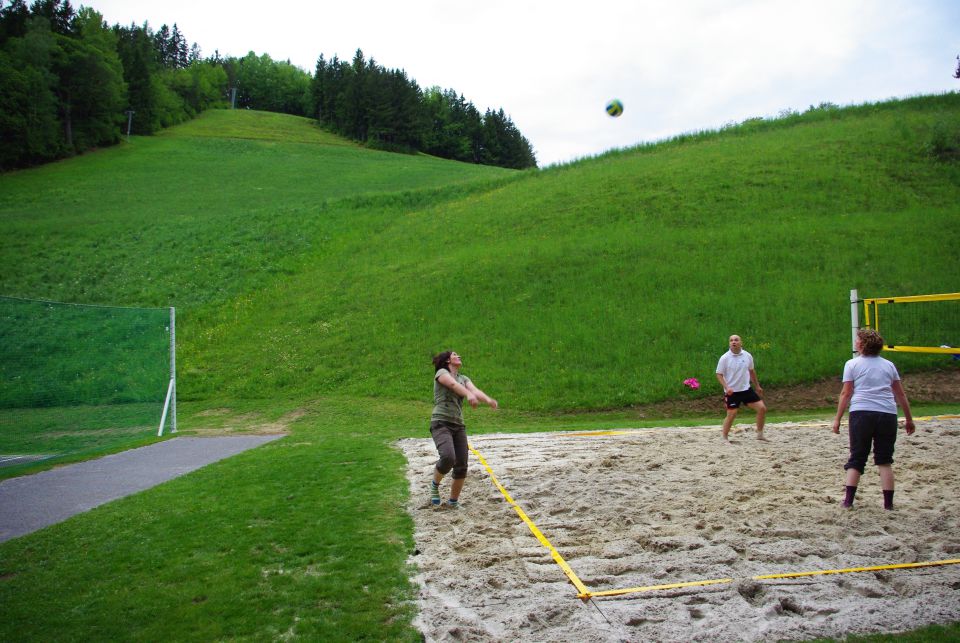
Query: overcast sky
(677, 65)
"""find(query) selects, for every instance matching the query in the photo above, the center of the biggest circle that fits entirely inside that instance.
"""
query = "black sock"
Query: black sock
(851, 492)
(888, 498)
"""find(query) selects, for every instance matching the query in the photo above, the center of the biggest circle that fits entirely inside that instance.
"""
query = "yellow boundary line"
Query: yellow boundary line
(801, 423)
(584, 594)
(720, 581)
(852, 570)
(617, 432)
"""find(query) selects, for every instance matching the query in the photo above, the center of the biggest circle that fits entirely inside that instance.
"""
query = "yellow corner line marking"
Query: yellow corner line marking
(585, 594)
(581, 588)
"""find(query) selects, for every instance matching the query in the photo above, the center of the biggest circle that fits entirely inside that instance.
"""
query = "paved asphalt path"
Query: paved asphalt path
(29, 503)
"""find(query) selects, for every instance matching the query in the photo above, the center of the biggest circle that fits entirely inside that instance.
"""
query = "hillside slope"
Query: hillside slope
(206, 210)
(610, 282)
(601, 284)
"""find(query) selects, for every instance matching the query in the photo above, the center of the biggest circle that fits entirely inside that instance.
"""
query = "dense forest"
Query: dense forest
(69, 83)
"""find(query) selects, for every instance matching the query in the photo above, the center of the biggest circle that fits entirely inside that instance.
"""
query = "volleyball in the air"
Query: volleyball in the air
(615, 107)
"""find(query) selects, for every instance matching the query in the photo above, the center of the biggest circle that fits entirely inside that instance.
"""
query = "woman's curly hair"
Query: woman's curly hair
(871, 343)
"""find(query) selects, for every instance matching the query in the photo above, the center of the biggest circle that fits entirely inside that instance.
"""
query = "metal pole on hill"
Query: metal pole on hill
(130, 114)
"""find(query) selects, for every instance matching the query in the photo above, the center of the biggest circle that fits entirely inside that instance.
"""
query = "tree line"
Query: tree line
(388, 110)
(70, 83)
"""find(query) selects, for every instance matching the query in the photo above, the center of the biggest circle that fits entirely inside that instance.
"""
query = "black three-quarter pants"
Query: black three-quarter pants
(451, 441)
(871, 428)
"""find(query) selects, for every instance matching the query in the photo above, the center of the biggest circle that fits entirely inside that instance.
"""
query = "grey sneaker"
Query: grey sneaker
(451, 504)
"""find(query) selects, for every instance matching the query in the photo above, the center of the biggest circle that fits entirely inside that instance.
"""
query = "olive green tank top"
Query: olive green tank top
(447, 405)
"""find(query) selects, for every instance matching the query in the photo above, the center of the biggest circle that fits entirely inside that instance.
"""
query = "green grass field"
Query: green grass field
(315, 276)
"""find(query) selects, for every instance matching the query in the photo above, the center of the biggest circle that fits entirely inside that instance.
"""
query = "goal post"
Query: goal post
(84, 378)
(170, 403)
(912, 323)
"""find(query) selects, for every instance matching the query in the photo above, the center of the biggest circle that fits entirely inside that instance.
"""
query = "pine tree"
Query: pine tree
(178, 50)
(162, 47)
(59, 14)
(13, 20)
(137, 49)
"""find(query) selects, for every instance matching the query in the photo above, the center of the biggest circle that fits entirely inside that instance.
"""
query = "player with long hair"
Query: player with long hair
(450, 387)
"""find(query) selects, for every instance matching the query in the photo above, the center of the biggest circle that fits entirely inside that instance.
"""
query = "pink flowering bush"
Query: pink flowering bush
(692, 383)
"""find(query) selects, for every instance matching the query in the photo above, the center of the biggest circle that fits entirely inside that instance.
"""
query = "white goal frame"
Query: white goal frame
(170, 404)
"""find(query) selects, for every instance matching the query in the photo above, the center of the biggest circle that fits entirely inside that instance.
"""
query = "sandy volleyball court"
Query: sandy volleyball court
(659, 506)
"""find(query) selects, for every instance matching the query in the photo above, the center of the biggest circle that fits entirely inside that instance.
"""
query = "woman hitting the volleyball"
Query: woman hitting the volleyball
(450, 387)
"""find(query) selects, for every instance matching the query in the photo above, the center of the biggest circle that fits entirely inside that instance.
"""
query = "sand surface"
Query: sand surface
(660, 506)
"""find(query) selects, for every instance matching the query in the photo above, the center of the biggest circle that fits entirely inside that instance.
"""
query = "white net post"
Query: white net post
(854, 319)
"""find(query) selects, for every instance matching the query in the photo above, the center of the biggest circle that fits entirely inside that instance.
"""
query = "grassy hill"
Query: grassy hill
(204, 212)
(314, 279)
(304, 265)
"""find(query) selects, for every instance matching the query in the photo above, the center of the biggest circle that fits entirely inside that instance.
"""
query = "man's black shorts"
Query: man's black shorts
(741, 397)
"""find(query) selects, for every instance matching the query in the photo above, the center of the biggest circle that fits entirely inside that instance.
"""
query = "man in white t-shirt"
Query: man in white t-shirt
(736, 373)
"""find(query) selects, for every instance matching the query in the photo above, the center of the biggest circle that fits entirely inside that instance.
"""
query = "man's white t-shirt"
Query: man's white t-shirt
(735, 368)
(871, 377)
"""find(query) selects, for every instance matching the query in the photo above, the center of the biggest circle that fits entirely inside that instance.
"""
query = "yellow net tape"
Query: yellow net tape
(947, 296)
(923, 349)
(585, 594)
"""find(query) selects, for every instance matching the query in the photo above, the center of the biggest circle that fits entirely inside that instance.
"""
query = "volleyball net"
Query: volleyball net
(914, 323)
